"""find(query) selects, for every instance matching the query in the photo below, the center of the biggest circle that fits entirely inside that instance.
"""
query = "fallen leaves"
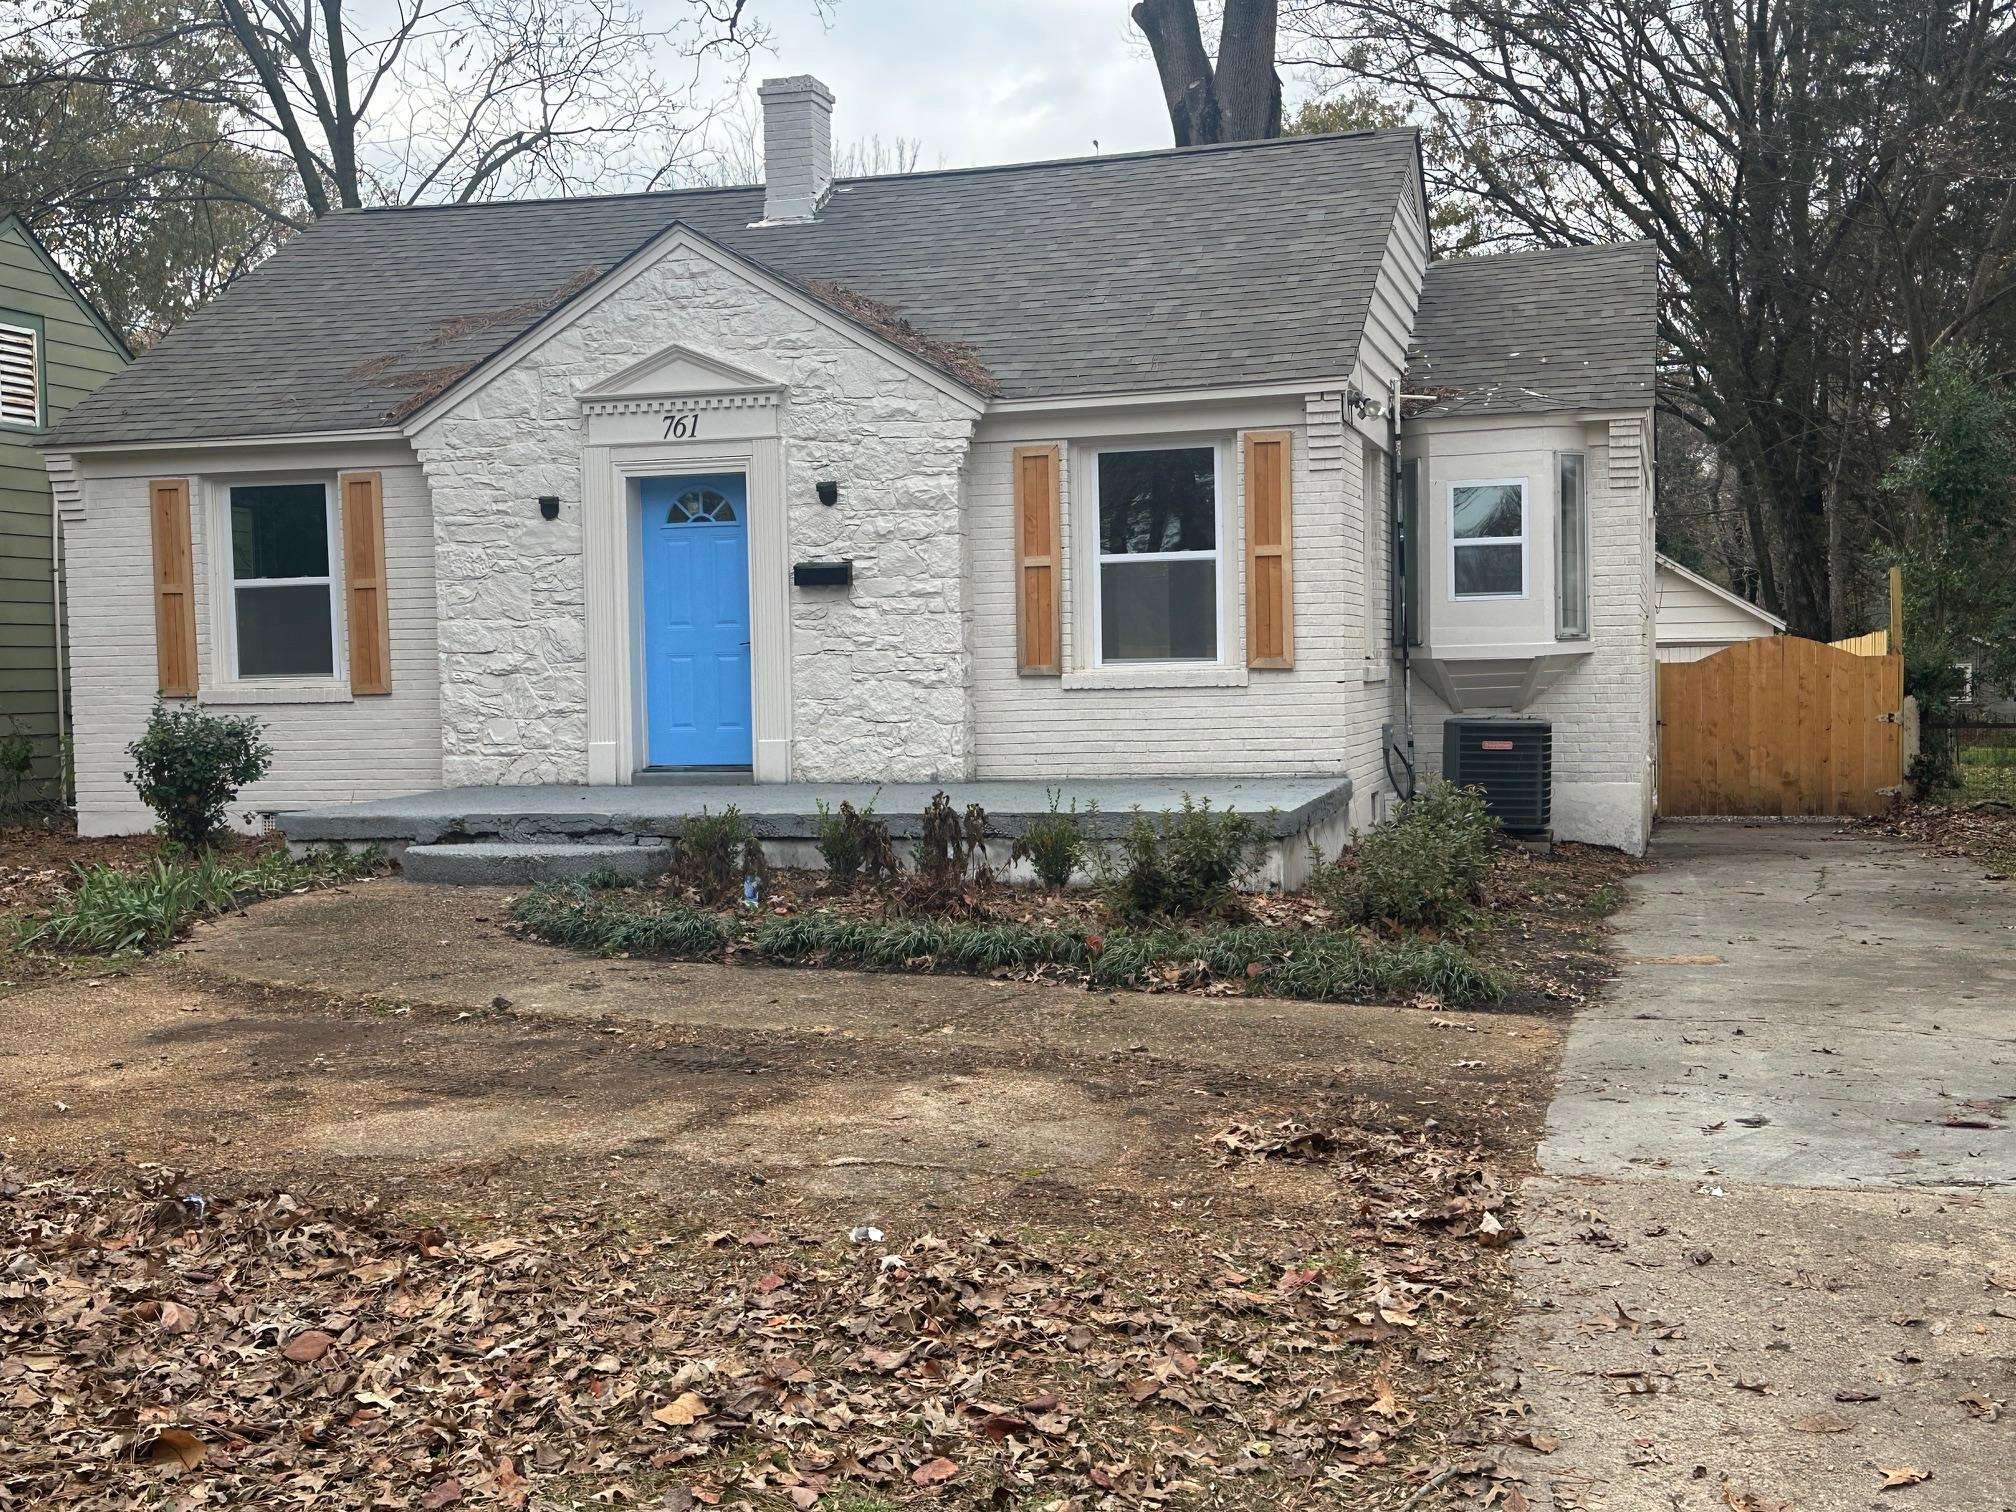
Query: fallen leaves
(682, 1411)
(1895, 1477)
(1822, 1422)
(175, 1448)
(289, 1357)
(308, 1346)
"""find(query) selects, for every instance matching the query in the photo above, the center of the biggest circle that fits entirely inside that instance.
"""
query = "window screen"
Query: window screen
(1487, 532)
(1158, 555)
(283, 613)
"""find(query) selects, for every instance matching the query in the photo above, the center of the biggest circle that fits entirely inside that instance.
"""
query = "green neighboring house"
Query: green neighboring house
(54, 349)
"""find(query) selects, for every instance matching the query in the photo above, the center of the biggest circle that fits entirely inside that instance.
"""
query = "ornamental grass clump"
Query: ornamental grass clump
(1319, 966)
(113, 910)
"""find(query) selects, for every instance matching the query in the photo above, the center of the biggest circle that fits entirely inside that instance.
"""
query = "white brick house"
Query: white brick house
(555, 492)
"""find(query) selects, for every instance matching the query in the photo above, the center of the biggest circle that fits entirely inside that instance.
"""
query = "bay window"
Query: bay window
(1156, 592)
(1487, 539)
(283, 613)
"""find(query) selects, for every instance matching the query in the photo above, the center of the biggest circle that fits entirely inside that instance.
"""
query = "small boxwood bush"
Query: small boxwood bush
(189, 765)
(1421, 867)
(1054, 844)
(1181, 863)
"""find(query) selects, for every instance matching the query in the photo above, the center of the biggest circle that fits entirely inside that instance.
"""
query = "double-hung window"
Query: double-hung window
(1157, 590)
(1571, 583)
(1487, 539)
(20, 373)
(283, 608)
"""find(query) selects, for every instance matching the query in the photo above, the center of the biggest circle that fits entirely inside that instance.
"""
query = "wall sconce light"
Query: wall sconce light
(829, 493)
(549, 506)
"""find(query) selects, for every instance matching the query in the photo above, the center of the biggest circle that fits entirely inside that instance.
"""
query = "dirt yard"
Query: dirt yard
(1297, 1194)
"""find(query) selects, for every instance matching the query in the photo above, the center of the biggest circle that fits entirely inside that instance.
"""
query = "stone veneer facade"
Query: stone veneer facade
(879, 674)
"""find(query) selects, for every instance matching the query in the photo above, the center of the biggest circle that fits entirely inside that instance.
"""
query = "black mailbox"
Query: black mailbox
(822, 574)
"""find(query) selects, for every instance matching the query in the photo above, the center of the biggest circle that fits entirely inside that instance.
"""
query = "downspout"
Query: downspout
(1403, 611)
(56, 605)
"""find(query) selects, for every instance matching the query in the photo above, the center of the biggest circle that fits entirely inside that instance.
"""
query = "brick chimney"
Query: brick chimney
(797, 148)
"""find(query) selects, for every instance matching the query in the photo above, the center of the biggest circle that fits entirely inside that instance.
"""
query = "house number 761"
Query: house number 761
(681, 427)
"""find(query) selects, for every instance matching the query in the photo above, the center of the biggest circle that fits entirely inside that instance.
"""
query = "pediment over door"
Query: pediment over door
(680, 372)
(680, 394)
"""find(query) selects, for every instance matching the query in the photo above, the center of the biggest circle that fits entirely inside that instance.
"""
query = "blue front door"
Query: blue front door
(696, 620)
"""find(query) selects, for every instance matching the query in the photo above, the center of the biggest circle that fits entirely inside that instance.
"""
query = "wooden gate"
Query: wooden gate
(1780, 725)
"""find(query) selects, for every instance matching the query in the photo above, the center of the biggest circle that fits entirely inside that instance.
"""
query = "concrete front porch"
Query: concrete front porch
(526, 833)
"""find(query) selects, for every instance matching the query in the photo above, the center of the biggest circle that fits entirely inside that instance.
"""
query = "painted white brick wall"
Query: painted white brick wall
(323, 752)
(879, 675)
(1300, 720)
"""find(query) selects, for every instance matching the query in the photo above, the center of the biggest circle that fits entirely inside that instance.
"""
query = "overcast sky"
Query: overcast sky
(977, 81)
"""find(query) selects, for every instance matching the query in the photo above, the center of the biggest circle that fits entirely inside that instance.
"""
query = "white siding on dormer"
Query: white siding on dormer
(1389, 322)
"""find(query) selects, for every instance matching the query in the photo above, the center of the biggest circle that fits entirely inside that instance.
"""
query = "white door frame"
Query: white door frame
(624, 446)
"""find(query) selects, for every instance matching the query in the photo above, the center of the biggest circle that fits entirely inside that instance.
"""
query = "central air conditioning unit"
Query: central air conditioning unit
(1512, 760)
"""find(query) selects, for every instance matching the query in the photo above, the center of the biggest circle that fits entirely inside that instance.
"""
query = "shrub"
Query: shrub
(189, 764)
(1182, 863)
(1054, 843)
(1421, 867)
(17, 770)
(112, 910)
(853, 841)
(714, 852)
(950, 847)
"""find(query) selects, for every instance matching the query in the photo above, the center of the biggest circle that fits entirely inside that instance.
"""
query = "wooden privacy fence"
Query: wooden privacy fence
(1780, 725)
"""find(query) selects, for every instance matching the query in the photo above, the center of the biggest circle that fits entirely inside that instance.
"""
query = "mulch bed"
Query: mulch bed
(1541, 923)
(160, 1348)
(38, 862)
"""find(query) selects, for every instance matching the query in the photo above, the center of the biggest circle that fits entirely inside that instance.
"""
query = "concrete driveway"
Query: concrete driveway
(1772, 1257)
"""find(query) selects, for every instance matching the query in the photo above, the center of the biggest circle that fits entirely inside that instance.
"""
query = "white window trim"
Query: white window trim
(1520, 540)
(1221, 531)
(36, 379)
(228, 685)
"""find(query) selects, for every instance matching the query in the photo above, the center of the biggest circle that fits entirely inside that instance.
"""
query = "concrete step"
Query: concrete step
(496, 865)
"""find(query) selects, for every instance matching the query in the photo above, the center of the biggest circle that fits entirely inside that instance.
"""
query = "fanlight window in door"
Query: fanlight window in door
(701, 506)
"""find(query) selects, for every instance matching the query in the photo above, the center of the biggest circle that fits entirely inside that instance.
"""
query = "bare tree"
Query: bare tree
(1826, 182)
(419, 100)
(1234, 98)
(732, 152)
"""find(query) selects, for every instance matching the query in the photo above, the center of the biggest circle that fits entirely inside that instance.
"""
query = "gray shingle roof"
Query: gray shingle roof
(1567, 328)
(1193, 268)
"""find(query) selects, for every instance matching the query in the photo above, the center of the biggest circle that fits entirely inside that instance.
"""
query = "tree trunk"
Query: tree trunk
(1240, 99)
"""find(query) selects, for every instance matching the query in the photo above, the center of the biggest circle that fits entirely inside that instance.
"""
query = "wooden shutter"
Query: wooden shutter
(363, 496)
(1039, 549)
(174, 589)
(1270, 574)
